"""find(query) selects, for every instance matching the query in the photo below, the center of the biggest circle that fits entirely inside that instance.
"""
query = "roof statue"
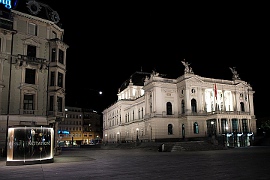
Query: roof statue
(235, 74)
(146, 79)
(187, 68)
(154, 73)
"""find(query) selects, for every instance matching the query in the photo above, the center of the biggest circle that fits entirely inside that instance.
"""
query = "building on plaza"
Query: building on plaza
(151, 107)
(80, 127)
(32, 67)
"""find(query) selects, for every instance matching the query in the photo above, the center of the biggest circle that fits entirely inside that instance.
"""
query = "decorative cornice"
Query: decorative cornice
(18, 13)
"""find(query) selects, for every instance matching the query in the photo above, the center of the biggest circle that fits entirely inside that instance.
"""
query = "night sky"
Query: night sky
(109, 41)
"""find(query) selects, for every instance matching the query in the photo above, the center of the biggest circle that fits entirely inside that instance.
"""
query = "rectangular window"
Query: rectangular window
(31, 51)
(52, 83)
(30, 76)
(244, 126)
(61, 56)
(234, 125)
(60, 79)
(51, 104)
(59, 104)
(223, 126)
(53, 55)
(32, 29)
(28, 102)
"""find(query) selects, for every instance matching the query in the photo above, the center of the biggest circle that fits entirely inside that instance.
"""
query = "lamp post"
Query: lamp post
(118, 137)
(9, 89)
(212, 128)
(106, 138)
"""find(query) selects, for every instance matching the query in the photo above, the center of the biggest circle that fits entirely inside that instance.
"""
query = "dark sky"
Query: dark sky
(109, 41)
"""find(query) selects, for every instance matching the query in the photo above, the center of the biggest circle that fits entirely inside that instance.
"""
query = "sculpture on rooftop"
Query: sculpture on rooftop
(235, 74)
(187, 68)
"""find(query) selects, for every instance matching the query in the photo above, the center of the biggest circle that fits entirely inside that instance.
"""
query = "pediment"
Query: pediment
(29, 87)
(242, 84)
(31, 41)
(194, 80)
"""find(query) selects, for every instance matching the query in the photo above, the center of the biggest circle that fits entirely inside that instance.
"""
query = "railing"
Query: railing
(28, 111)
(31, 59)
(202, 113)
(54, 113)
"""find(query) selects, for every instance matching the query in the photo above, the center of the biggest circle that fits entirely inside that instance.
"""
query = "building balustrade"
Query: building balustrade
(201, 113)
(55, 113)
(25, 111)
(31, 59)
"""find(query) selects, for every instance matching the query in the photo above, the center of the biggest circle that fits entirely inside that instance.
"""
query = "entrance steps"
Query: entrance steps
(196, 146)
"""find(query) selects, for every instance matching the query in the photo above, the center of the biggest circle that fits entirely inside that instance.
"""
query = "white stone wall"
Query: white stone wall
(158, 91)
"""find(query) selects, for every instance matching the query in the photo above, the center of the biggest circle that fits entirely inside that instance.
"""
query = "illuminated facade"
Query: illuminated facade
(80, 127)
(151, 107)
(32, 68)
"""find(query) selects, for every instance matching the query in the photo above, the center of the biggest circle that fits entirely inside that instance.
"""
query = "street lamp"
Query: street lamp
(212, 127)
(106, 138)
(118, 137)
(9, 89)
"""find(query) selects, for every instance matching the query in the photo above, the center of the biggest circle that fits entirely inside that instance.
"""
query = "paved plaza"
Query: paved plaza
(80, 163)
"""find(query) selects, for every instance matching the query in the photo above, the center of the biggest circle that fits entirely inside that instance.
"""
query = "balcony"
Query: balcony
(201, 113)
(30, 59)
(29, 112)
(56, 114)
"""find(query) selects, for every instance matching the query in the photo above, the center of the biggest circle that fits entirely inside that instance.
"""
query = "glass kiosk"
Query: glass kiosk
(30, 145)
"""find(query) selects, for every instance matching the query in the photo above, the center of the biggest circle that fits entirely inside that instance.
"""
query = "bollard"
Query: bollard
(161, 148)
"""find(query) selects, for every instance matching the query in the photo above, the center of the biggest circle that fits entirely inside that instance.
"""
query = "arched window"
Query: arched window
(196, 128)
(183, 106)
(169, 108)
(193, 106)
(170, 129)
(242, 106)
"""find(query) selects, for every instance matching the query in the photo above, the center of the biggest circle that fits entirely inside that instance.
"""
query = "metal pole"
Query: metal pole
(9, 84)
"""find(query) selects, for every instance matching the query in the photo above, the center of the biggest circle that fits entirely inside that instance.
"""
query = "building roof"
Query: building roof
(38, 9)
(136, 78)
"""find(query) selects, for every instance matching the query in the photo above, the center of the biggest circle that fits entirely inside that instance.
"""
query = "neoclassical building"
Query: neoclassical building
(151, 107)
(32, 67)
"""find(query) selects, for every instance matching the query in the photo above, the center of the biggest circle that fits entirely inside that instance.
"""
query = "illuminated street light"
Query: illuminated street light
(106, 138)
(118, 137)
